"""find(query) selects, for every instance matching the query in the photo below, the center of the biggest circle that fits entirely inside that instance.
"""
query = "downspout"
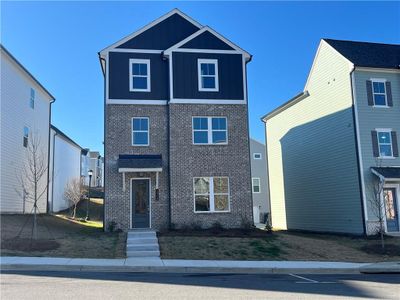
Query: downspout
(48, 159)
(52, 171)
(269, 185)
(356, 137)
(104, 138)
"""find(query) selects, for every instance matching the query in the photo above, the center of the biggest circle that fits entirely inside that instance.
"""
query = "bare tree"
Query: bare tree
(32, 178)
(74, 191)
(377, 204)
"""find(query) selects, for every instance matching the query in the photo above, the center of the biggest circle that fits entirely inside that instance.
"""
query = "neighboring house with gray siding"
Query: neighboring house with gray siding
(176, 128)
(331, 144)
(259, 181)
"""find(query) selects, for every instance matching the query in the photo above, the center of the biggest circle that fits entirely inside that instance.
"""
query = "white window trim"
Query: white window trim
(257, 153)
(381, 80)
(199, 76)
(389, 130)
(210, 130)
(253, 185)
(211, 195)
(148, 132)
(139, 61)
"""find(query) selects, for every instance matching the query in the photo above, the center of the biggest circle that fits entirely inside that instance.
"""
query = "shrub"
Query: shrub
(217, 227)
(196, 226)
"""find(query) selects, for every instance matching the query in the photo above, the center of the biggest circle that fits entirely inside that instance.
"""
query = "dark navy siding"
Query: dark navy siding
(185, 81)
(207, 40)
(119, 77)
(163, 35)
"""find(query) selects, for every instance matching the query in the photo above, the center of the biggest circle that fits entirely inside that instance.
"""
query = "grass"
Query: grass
(260, 245)
(59, 236)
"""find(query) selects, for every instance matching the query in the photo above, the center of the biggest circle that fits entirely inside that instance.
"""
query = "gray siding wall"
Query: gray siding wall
(312, 158)
(119, 77)
(371, 118)
(189, 161)
(185, 82)
(118, 141)
(259, 170)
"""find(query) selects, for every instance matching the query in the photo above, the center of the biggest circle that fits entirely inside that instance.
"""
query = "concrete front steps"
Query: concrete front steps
(142, 243)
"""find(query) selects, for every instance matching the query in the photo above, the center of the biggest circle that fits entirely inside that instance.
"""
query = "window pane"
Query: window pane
(204, 69)
(140, 138)
(257, 155)
(140, 83)
(32, 93)
(218, 123)
(379, 87)
(202, 203)
(384, 137)
(256, 189)
(144, 124)
(26, 131)
(385, 150)
(200, 137)
(208, 82)
(25, 142)
(136, 124)
(135, 69)
(202, 185)
(220, 185)
(219, 137)
(32, 103)
(221, 202)
(143, 69)
(200, 123)
(379, 99)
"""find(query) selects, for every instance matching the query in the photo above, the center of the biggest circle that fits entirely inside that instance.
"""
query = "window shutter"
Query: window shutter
(389, 93)
(395, 145)
(375, 146)
(369, 93)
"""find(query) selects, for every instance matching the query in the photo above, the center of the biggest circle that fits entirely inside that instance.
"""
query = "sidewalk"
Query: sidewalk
(193, 266)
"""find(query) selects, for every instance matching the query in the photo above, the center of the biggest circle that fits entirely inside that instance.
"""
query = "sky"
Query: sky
(58, 43)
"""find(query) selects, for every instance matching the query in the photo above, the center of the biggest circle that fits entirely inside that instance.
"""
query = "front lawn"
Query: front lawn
(58, 237)
(260, 245)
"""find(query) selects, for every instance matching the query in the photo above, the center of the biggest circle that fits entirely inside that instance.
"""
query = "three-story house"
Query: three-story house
(176, 128)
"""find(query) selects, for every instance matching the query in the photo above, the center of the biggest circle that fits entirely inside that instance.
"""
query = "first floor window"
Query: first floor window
(211, 194)
(139, 75)
(385, 143)
(208, 75)
(256, 185)
(140, 131)
(26, 137)
(210, 130)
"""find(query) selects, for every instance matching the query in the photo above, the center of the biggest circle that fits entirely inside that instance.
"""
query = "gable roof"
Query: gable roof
(150, 25)
(66, 137)
(365, 54)
(207, 40)
(5, 51)
(213, 32)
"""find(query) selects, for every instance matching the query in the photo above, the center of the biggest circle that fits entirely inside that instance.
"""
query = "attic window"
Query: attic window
(208, 75)
(139, 75)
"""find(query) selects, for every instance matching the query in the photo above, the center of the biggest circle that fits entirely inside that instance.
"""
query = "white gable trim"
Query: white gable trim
(148, 26)
(216, 34)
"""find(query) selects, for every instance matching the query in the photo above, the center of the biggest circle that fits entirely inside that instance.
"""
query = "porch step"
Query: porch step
(142, 243)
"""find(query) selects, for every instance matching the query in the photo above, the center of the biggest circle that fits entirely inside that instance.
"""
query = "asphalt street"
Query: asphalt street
(106, 285)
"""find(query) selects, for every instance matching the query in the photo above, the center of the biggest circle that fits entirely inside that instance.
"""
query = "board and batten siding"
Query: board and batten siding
(370, 118)
(313, 171)
(15, 114)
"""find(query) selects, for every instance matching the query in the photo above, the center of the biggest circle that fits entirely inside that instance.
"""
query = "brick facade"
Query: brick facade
(187, 161)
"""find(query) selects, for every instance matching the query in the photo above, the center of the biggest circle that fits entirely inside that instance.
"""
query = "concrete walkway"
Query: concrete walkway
(193, 266)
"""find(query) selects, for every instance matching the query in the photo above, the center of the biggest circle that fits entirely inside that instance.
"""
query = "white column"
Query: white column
(123, 182)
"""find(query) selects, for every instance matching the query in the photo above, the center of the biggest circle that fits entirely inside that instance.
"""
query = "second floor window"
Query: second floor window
(379, 93)
(139, 75)
(26, 137)
(140, 131)
(210, 130)
(208, 75)
(256, 185)
(385, 144)
(32, 99)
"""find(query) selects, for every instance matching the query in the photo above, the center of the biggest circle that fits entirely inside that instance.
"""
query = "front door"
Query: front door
(140, 203)
(392, 218)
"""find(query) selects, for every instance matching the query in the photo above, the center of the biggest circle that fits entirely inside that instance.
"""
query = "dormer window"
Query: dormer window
(139, 75)
(208, 75)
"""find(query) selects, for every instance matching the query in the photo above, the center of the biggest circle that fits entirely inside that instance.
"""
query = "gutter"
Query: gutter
(358, 154)
(101, 59)
(48, 159)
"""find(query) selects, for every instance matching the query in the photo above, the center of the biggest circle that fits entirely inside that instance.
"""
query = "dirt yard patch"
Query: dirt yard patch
(58, 237)
(260, 245)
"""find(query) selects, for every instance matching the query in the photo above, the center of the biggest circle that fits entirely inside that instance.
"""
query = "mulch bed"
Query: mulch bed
(27, 244)
(214, 232)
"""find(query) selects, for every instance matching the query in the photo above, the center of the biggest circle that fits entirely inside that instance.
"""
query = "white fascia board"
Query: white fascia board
(150, 25)
(216, 34)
